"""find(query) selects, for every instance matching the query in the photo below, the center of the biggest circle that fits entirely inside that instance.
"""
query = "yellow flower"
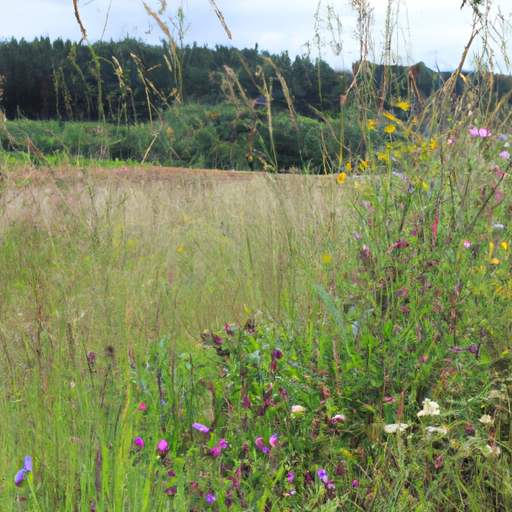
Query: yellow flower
(342, 176)
(364, 164)
(371, 124)
(390, 128)
(390, 116)
(504, 245)
(495, 261)
(348, 165)
(382, 156)
(433, 144)
(403, 105)
(491, 246)
(326, 258)
(425, 185)
(180, 248)
(414, 120)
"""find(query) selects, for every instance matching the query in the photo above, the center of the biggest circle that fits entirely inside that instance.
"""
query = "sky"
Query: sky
(432, 31)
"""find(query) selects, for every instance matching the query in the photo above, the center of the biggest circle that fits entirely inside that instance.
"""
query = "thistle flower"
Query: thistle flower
(162, 445)
(139, 443)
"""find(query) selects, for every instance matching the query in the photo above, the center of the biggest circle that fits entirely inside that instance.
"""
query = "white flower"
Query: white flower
(486, 419)
(493, 450)
(429, 408)
(338, 418)
(392, 428)
(298, 409)
(435, 430)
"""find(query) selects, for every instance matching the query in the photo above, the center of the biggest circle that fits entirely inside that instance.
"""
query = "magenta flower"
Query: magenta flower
(474, 132)
(388, 400)
(484, 132)
(338, 418)
(202, 428)
(466, 244)
(216, 451)
(450, 142)
(290, 477)
(273, 440)
(223, 444)
(355, 483)
(210, 497)
(139, 443)
(142, 407)
(423, 358)
(505, 155)
(260, 445)
(162, 445)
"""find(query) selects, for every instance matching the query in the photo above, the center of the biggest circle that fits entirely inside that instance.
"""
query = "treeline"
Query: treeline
(129, 80)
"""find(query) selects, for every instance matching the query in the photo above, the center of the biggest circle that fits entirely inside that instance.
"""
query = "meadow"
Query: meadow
(265, 341)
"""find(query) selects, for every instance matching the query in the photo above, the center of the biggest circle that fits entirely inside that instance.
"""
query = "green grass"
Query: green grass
(229, 303)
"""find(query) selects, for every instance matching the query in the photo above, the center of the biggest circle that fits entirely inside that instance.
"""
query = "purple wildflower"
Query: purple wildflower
(210, 497)
(466, 244)
(259, 443)
(202, 428)
(322, 474)
(139, 443)
(19, 477)
(502, 137)
(27, 468)
(216, 451)
(484, 132)
(273, 440)
(228, 330)
(474, 131)
(450, 142)
(290, 477)
(505, 155)
(355, 483)
(162, 445)
(223, 444)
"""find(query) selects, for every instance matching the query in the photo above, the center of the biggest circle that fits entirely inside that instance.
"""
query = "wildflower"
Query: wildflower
(338, 418)
(342, 176)
(432, 144)
(215, 451)
(371, 124)
(171, 491)
(273, 440)
(423, 358)
(228, 330)
(27, 468)
(391, 117)
(223, 444)
(435, 430)
(484, 132)
(392, 428)
(163, 445)
(504, 245)
(142, 407)
(290, 477)
(388, 400)
(495, 261)
(348, 165)
(210, 497)
(139, 443)
(430, 408)
(357, 235)
(260, 445)
(202, 428)
(298, 409)
(498, 226)
(403, 105)
(326, 258)
(390, 128)
(502, 137)
(91, 358)
(504, 155)
(355, 483)
(450, 142)
(469, 430)
(322, 474)
(466, 244)
(493, 450)
(486, 419)
(473, 131)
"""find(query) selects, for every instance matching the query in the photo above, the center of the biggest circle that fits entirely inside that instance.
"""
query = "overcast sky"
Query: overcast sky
(432, 31)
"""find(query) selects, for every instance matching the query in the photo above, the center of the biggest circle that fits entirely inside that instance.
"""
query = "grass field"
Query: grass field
(174, 341)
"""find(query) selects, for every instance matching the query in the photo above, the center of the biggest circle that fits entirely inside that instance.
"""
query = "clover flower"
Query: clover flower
(163, 445)
(430, 408)
(27, 468)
